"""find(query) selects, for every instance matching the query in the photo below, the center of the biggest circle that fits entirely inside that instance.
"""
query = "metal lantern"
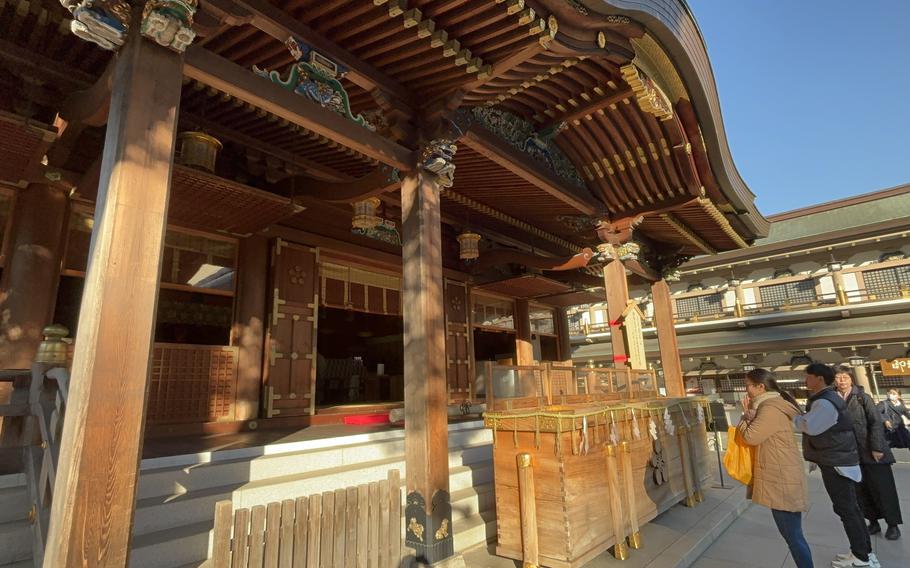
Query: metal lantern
(53, 350)
(365, 214)
(198, 150)
(468, 246)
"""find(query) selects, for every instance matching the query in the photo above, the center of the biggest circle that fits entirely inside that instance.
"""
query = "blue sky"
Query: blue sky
(815, 94)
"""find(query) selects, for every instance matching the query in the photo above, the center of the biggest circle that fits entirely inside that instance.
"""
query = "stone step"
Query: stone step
(157, 513)
(27, 563)
(188, 545)
(15, 541)
(14, 504)
(467, 446)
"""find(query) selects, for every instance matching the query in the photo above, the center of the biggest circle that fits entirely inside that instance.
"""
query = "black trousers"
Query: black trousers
(842, 491)
(878, 495)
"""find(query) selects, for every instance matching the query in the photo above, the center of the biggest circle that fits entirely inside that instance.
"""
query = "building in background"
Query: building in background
(830, 283)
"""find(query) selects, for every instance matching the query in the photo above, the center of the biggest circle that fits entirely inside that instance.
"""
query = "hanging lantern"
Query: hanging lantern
(468, 246)
(365, 214)
(198, 150)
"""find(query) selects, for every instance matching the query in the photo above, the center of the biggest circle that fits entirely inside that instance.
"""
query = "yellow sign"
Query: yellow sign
(896, 367)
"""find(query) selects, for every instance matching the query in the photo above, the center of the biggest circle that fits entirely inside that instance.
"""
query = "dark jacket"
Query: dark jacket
(836, 446)
(893, 413)
(868, 427)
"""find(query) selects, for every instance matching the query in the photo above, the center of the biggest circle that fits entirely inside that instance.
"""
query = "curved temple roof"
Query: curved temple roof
(571, 112)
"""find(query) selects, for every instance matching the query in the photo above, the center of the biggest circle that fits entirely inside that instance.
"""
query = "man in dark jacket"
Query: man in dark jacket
(877, 493)
(829, 442)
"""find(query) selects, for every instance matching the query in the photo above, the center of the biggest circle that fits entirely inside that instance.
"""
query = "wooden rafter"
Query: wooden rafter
(573, 111)
(687, 233)
(508, 219)
(722, 221)
(379, 181)
(539, 78)
(511, 159)
(210, 69)
(278, 24)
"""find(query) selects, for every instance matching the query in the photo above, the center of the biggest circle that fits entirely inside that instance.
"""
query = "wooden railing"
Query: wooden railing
(529, 386)
(47, 406)
(353, 527)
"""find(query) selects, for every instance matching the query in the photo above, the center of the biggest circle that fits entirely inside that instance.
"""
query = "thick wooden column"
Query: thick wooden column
(428, 513)
(28, 289)
(249, 323)
(564, 335)
(95, 491)
(666, 337)
(524, 349)
(617, 298)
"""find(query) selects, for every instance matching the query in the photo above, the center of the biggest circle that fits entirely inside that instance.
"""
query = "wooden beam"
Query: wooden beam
(90, 106)
(511, 159)
(687, 233)
(666, 338)
(524, 349)
(280, 25)
(52, 70)
(504, 66)
(563, 335)
(379, 181)
(502, 256)
(95, 491)
(639, 268)
(425, 388)
(210, 69)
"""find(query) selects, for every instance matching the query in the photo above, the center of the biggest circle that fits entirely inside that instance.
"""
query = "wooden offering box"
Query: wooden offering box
(573, 480)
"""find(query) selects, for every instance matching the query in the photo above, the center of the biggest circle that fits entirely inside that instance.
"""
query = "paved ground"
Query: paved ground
(752, 541)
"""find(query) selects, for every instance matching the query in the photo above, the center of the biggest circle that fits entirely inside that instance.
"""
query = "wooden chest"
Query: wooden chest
(573, 481)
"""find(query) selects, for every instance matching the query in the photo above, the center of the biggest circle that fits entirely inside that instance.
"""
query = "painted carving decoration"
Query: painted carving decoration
(416, 529)
(385, 231)
(169, 23)
(316, 77)
(438, 160)
(103, 22)
(650, 97)
(521, 134)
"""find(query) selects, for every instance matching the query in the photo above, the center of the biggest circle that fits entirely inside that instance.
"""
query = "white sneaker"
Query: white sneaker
(850, 561)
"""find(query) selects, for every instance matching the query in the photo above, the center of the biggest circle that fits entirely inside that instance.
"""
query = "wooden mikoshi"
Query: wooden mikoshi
(595, 472)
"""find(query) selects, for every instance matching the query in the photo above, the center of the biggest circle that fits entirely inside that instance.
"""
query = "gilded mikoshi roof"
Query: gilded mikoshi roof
(568, 113)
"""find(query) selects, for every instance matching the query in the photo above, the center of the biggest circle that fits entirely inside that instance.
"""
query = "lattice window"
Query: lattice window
(788, 293)
(705, 305)
(192, 384)
(886, 283)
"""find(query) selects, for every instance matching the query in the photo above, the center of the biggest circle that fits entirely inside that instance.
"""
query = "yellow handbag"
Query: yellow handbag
(739, 458)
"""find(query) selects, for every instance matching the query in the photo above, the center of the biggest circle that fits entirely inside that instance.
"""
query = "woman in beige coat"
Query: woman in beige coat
(778, 478)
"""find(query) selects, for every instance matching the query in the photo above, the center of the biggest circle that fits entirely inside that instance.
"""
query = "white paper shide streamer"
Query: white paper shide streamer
(652, 428)
(668, 423)
(583, 443)
(636, 433)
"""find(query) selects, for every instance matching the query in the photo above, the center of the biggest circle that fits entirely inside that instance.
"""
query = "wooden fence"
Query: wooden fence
(354, 527)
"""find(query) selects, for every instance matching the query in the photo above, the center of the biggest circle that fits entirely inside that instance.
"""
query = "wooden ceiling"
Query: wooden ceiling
(570, 75)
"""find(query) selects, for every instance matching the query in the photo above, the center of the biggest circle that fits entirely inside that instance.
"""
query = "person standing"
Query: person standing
(877, 493)
(893, 412)
(829, 442)
(778, 479)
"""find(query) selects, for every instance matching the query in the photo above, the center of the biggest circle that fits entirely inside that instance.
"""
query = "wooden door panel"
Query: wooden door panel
(459, 348)
(291, 375)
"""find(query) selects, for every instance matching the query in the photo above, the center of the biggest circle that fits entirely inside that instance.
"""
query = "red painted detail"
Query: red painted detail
(367, 419)
(620, 358)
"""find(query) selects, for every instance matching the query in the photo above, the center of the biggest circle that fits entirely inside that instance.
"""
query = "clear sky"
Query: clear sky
(815, 94)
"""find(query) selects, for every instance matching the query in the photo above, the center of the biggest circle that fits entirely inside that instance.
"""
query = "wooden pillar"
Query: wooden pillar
(617, 297)
(564, 335)
(425, 389)
(95, 491)
(524, 349)
(28, 289)
(666, 338)
(249, 323)
(527, 503)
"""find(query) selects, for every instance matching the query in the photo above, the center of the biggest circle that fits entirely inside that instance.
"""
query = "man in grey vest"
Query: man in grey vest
(829, 442)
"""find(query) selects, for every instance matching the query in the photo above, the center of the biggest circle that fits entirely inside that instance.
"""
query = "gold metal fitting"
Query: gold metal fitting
(690, 501)
(524, 460)
(699, 496)
(43, 444)
(32, 514)
(626, 447)
(611, 450)
(635, 540)
(620, 552)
